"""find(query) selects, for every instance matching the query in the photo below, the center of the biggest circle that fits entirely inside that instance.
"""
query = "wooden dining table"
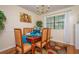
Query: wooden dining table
(33, 40)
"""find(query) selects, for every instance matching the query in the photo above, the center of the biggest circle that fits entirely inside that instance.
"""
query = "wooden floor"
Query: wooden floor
(77, 51)
(9, 51)
(70, 50)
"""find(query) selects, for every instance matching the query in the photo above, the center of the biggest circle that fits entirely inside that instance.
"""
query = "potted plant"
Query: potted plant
(39, 24)
(2, 19)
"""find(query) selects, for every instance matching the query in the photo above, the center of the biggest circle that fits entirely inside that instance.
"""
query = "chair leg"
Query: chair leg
(22, 51)
(41, 50)
(16, 52)
(33, 48)
(47, 45)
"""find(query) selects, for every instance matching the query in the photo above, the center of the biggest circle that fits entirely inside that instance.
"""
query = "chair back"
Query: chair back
(26, 30)
(44, 34)
(18, 37)
(49, 33)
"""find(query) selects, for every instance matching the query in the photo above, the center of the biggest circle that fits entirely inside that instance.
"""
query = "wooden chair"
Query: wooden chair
(48, 40)
(20, 47)
(43, 41)
(26, 30)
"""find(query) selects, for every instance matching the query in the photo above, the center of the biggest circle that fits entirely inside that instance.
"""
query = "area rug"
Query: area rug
(51, 51)
(53, 48)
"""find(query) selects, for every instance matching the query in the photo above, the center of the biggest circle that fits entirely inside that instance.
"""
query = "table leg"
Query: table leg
(33, 48)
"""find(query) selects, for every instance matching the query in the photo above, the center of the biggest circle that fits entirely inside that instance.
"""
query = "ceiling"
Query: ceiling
(52, 7)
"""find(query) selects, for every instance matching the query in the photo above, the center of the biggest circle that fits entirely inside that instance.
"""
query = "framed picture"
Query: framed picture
(25, 18)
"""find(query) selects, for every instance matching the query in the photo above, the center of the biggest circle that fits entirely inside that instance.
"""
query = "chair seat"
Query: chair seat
(57, 48)
(27, 47)
(38, 44)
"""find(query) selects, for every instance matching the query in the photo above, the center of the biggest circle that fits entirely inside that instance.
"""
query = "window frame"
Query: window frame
(54, 26)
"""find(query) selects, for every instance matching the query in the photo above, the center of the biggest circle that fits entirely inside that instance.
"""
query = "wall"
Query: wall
(66, 35)
(7, 39)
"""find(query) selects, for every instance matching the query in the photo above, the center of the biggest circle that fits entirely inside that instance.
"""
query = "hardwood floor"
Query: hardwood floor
(9, 51)
(70, 50)
(77, 51)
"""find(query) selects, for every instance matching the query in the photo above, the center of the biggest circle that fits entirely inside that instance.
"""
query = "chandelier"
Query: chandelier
(42, 9)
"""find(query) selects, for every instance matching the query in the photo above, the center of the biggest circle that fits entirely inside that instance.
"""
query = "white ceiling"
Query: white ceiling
(52, 7)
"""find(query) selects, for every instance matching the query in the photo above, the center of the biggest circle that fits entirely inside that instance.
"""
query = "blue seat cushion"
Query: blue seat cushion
(24, 39)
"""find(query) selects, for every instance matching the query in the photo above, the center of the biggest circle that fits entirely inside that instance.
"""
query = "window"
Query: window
(55, 22)
(50, 22)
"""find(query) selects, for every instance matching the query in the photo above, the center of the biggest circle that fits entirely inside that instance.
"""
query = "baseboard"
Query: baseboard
(62, 42)
(59, 41)
(7, 48)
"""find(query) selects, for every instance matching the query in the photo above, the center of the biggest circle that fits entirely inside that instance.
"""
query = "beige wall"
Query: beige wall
(7, 39)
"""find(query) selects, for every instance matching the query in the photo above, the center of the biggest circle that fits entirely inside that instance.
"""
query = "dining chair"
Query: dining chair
(48, 40)
(27, 30)
(42, 43)
(20, 47)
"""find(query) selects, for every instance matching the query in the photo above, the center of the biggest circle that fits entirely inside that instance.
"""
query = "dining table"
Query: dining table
(33, 40)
